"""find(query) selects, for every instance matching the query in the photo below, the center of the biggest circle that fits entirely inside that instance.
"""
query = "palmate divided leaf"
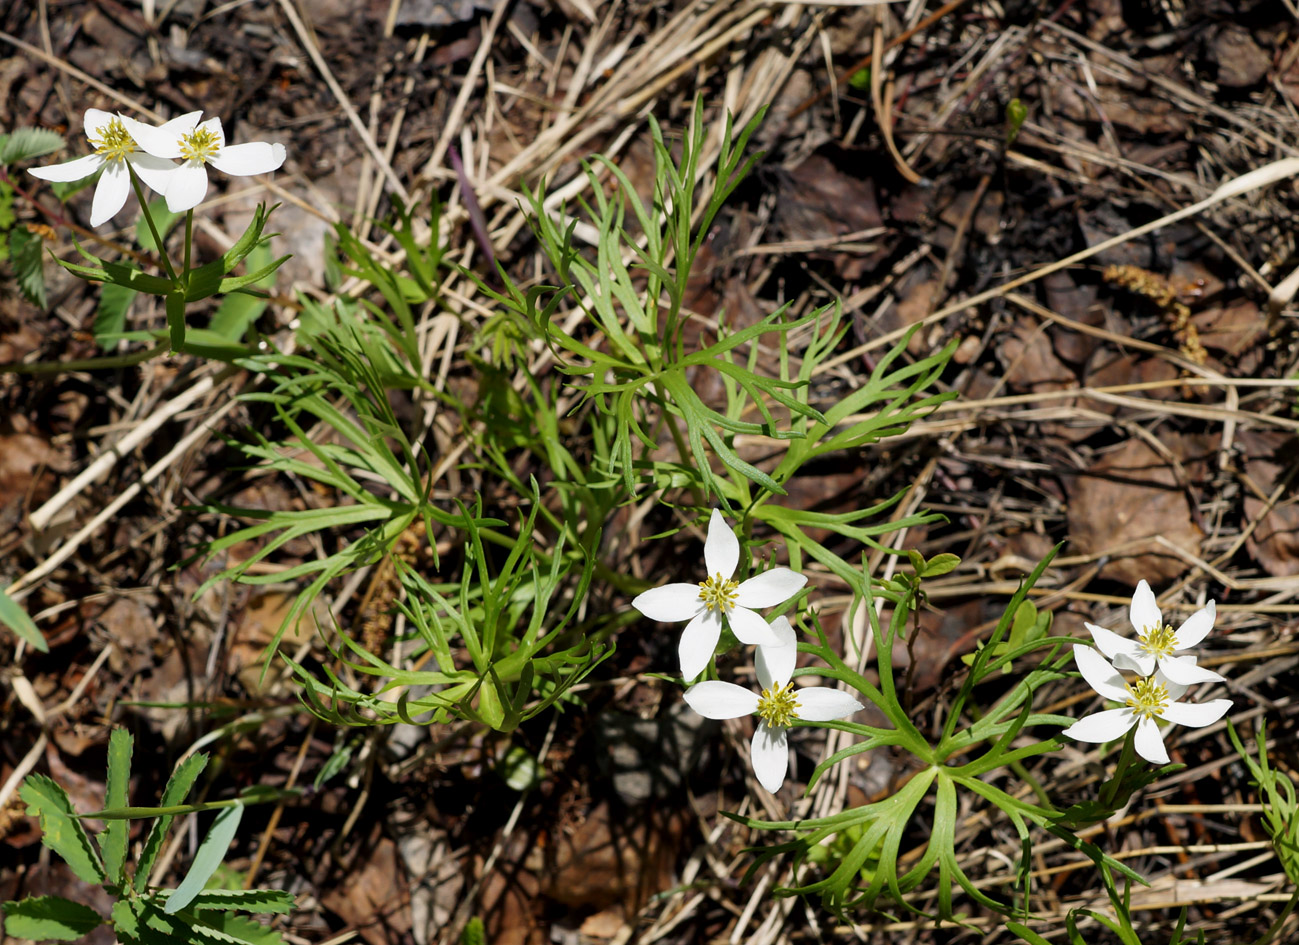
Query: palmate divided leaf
(633, 361)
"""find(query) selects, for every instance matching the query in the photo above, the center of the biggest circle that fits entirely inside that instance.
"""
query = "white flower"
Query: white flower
(1157, 641)
(1143, 701)
(778, 707)
(115, 148)
(198, 144)
(703, 604)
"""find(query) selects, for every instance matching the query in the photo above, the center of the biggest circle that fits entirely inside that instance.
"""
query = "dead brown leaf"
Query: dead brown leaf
(1269, 457)
(1130, 497)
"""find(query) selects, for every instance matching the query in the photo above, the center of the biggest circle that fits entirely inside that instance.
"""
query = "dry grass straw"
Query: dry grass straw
(598, 99)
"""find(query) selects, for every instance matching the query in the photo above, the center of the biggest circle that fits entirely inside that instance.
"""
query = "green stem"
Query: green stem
(189, 240)
(1111, 789)
(153, 229)
(669, 418)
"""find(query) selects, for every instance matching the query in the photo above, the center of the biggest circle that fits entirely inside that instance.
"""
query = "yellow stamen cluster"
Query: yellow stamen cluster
(1147, 697)
(115, 142)
(1158, 641)
(718, 593)
(778, 706)
(200, 145)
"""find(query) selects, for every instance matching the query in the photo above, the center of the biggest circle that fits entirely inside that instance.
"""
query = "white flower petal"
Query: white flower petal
(670, 603)
(770, 588)
(110, 193)
(1102, 726)
(721, 548)
(1196, 714)
(68, 170)
(1100, 675)
(1197, 626)
(769, 751)
(187, 188)
(1142, 663)
(161, 142)
(1149, 743)
(154, 171)
(775, 662)
(823, 704)
(750, 628)
(1183, 671)
(1112, 645)
(1175, 690)
(1144, 612)
(698, 643)
(94, 122)
(721, 700)
(244, 160)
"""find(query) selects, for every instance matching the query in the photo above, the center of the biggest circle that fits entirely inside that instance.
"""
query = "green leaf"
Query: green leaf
(6, 213)
(223, 927)
(940, 564)
(520, 769)
(1027, 934)
(60, 829)
(25, 257)
(239, 309)
(110, 318)
(49, 917)
(336, 763)
(248, 900)
(473, 933)
(163, 219)
(27, 143)
(1016, 112)
(65, 190)
(209, 856)
(13, 616)
(182, 779)
(113, 838)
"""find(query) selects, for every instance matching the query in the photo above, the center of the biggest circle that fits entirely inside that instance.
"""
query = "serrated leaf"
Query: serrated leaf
(49, 917)
(247, 900)
(25, 257)
(182, 779)
(113, 838)
(60, 829)
(23, 144)
(209, 856)
(13, 616)
(223, 927)
(110, 318)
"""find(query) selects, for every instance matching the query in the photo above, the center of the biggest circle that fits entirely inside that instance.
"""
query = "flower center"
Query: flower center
(115, 142)
(718, 593)
(1158, 641)
(200, 145)
(1147, 697)
(777, 706)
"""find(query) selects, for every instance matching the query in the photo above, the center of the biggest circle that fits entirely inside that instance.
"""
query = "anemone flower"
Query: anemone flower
(706, 603)
(117, 152)
(197, 144)
(1143, 701)
(778, 707)
(1156, 641)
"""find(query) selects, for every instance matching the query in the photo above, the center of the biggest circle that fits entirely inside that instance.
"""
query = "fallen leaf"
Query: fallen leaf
(1274, 542)
(1130, 497)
